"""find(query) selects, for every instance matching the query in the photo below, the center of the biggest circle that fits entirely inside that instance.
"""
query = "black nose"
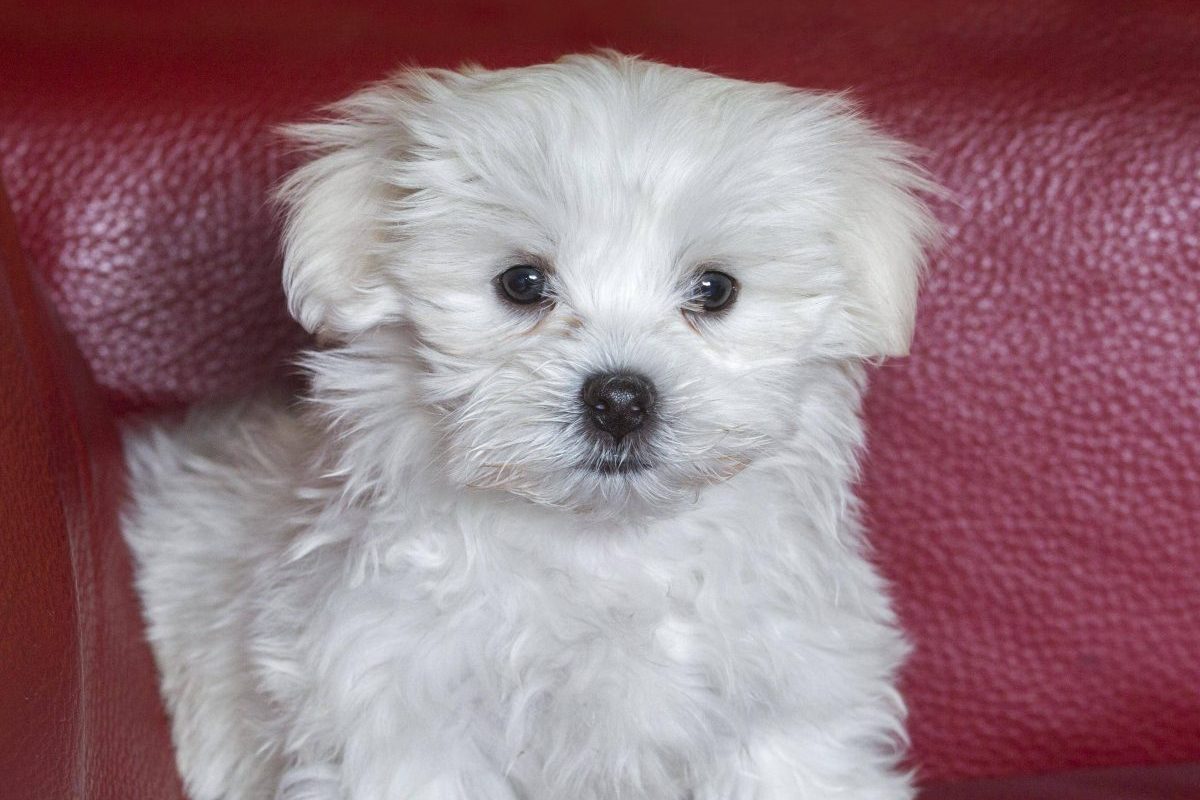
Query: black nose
(618, 402)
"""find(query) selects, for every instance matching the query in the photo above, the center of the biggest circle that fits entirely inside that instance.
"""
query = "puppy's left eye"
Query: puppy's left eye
(713, 291)
(523, 284)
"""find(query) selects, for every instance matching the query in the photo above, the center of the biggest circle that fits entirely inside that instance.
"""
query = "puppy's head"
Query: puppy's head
(615, 276)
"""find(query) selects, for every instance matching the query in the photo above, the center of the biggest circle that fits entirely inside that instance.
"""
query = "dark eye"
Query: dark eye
(523, 284)
(714, 291)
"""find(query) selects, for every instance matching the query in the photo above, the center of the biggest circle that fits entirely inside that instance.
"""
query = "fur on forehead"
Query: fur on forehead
(599, 152)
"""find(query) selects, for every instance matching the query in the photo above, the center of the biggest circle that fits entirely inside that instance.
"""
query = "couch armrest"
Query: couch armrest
(80, 716)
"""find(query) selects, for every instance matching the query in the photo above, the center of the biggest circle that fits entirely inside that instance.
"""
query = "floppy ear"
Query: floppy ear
(335, 233)
(882, 239)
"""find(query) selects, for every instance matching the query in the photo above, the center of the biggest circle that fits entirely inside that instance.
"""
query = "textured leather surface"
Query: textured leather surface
(79, 714)
(1171, 782)
(1032, 483)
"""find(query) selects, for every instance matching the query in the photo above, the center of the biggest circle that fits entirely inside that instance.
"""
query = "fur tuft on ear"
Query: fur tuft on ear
(336, 231)
(882, 241)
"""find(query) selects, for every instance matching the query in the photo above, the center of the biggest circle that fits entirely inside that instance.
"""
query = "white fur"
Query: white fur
(405, 587)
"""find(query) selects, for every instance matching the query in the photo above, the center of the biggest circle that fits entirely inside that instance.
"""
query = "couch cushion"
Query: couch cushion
(1169, 782)
(1033, 469)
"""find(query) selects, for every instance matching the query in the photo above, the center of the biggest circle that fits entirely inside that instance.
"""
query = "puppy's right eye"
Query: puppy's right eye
(523, 284)
(713, 291)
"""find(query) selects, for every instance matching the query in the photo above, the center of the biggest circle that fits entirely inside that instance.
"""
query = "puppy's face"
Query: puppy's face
(617, 276)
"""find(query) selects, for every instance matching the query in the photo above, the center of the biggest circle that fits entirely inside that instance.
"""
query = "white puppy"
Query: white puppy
(566, 512)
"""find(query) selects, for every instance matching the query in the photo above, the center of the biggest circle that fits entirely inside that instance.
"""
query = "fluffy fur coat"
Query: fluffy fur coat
(414, 583)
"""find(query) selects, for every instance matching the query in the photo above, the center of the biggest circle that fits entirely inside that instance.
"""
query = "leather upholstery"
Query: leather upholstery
(79, 711)
(1169, 782)
(1034, 465)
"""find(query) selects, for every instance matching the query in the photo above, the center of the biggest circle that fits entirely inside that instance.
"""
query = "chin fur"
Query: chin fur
(442, 574)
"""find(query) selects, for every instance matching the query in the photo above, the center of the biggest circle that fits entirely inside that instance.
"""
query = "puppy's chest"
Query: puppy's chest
(638, 642)
(650, 665)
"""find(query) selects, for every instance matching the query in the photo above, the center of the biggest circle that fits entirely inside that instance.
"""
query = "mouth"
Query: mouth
(616, 465)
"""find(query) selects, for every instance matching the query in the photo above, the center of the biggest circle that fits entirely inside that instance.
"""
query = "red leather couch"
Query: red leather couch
(1033, 484)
